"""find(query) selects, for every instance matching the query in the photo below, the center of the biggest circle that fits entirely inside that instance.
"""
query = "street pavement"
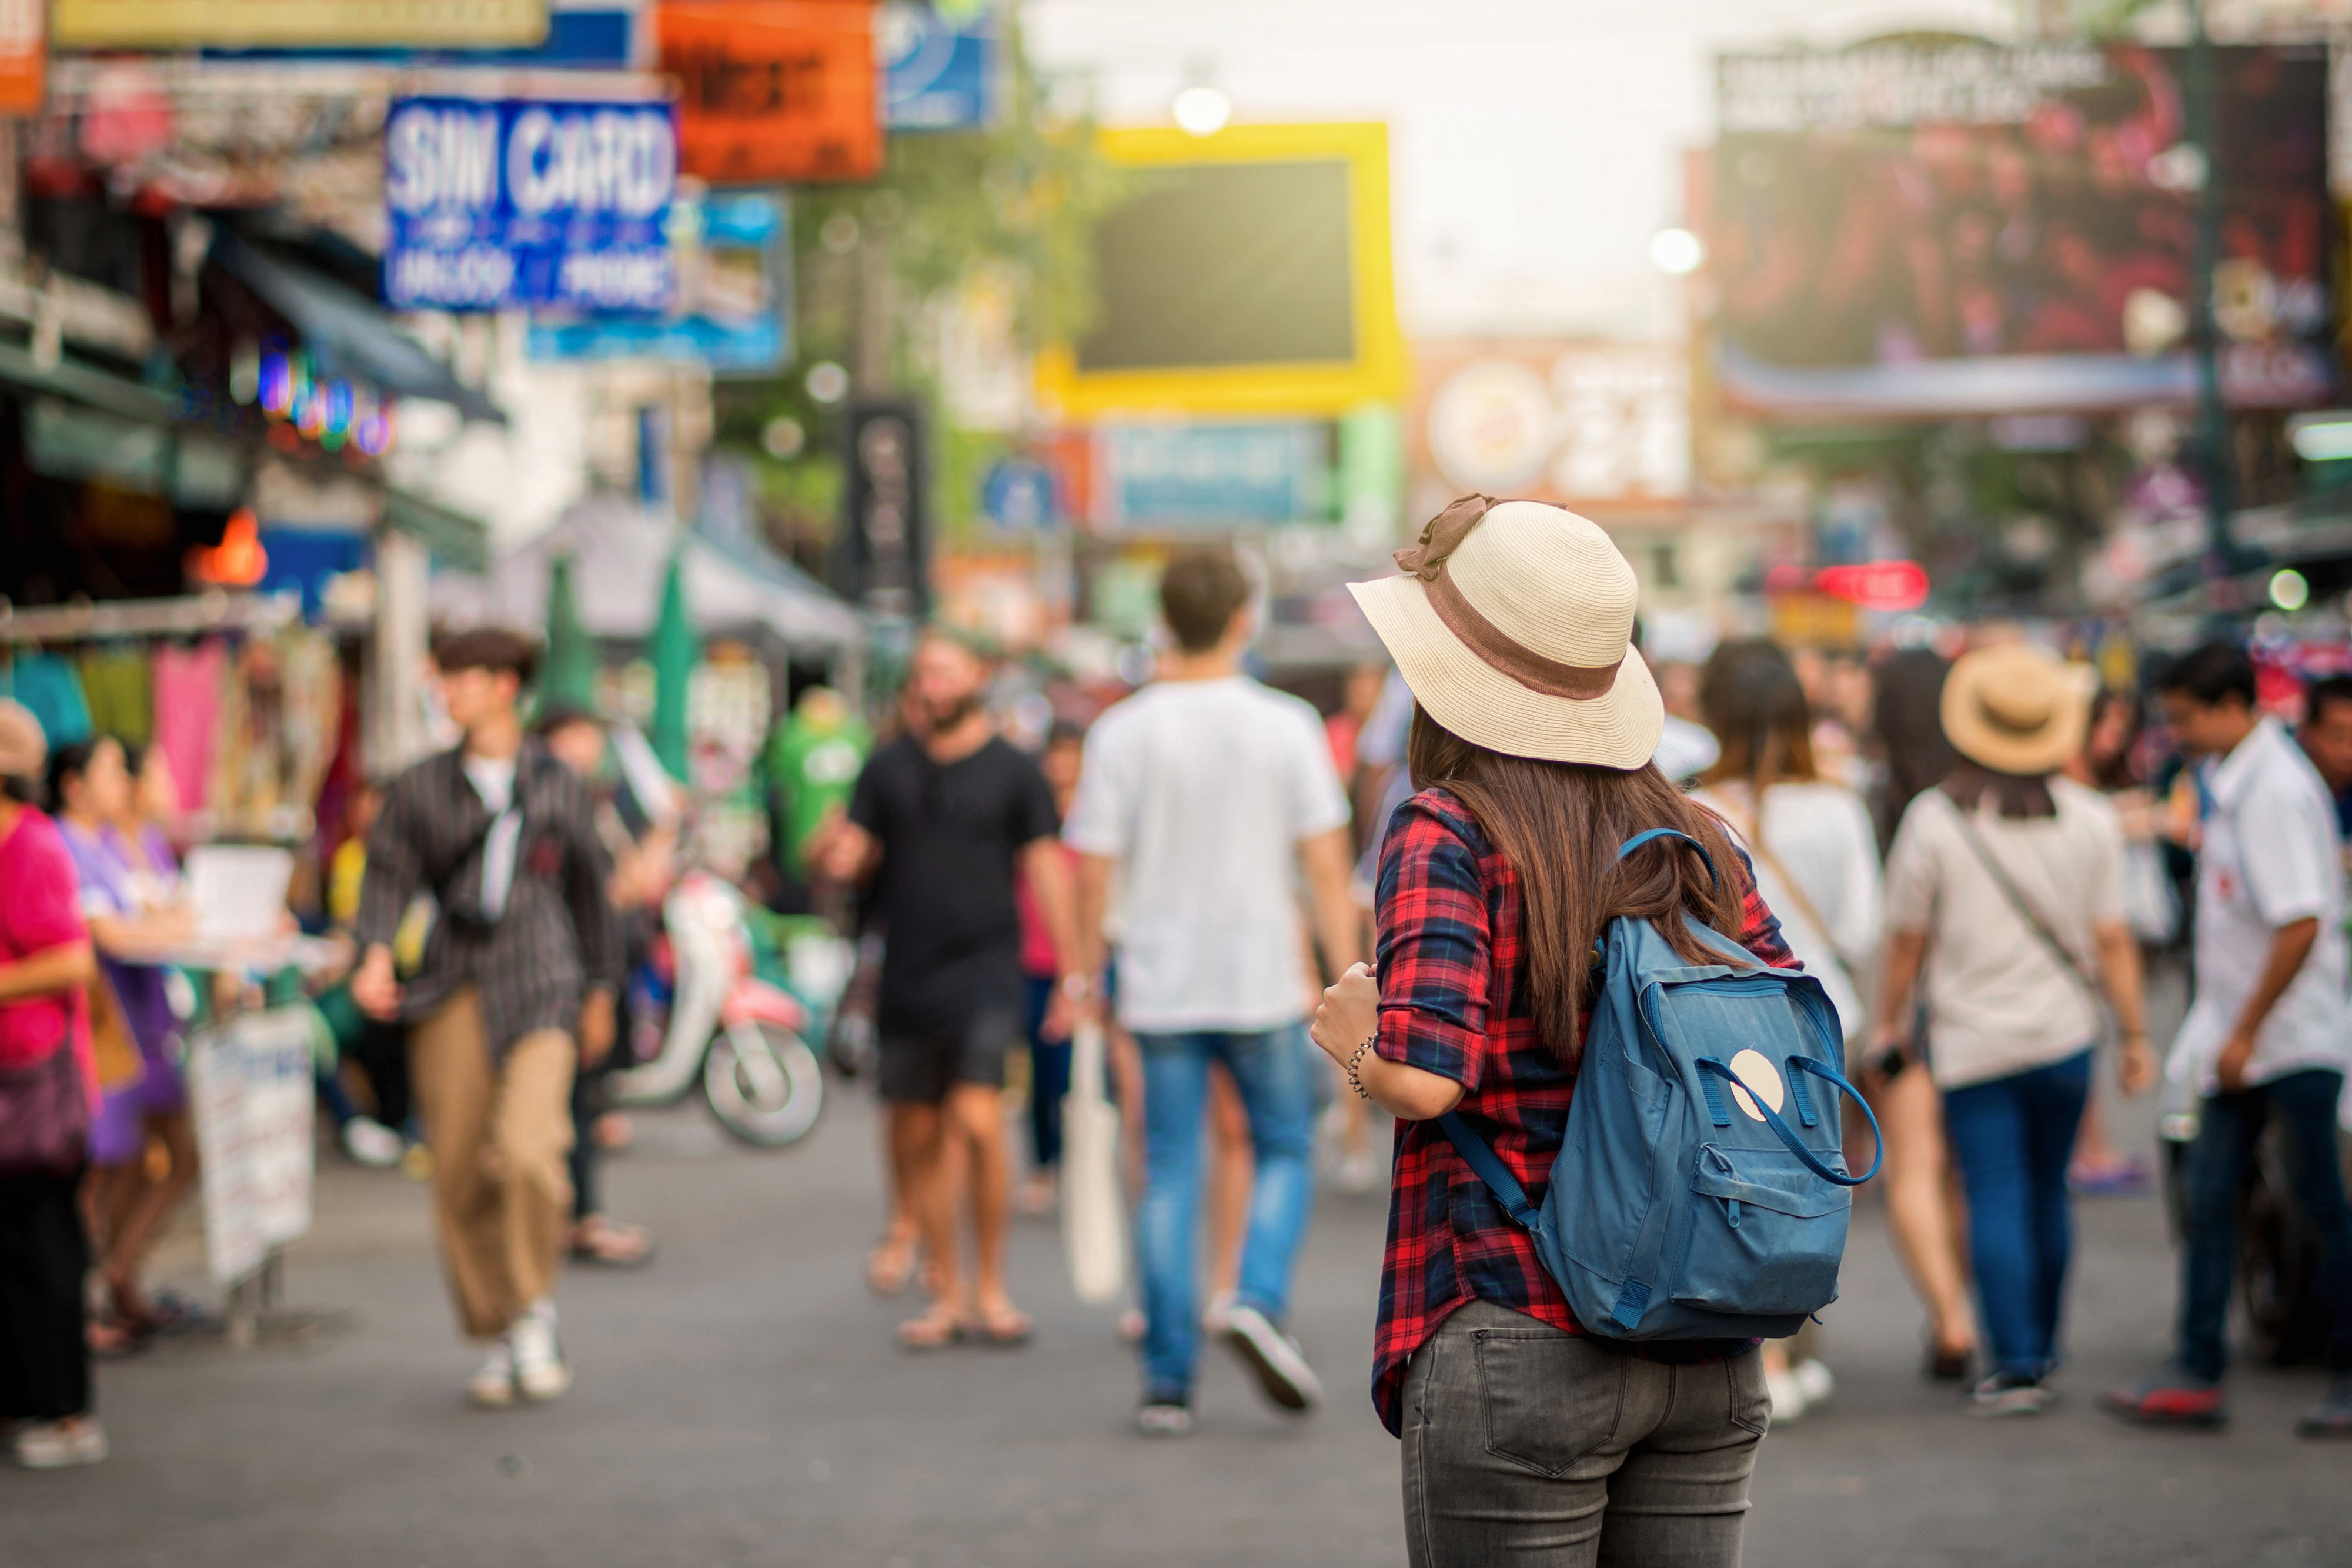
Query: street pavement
(741, 1404)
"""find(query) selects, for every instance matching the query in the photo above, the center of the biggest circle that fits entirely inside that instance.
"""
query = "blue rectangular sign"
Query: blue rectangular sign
(1211, 475)
(733, 311)
(939, 73)
(499, 204)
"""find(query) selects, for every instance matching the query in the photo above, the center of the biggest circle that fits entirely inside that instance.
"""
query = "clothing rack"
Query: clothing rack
(184, 616)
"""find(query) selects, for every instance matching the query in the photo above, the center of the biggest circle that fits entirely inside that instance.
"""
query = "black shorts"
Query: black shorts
(921, 1066)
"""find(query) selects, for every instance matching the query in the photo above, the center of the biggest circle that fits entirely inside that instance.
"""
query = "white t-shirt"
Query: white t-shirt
(1202, 791)
(1820, 834)
(493, 778)
(1999, 1002)
(2270, 857)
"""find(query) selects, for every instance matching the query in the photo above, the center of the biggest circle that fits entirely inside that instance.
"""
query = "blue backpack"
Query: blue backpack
(1684, 1205)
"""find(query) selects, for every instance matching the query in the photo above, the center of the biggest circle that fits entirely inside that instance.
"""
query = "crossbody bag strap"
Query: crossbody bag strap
(1752, 830)
(2025, 910)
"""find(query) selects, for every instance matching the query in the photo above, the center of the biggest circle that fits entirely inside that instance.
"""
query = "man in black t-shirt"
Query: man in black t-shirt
(942, 820)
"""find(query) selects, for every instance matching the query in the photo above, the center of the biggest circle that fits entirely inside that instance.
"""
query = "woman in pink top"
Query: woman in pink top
(46, 961)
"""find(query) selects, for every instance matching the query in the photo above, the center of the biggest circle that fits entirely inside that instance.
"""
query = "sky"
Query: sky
(1535, 145)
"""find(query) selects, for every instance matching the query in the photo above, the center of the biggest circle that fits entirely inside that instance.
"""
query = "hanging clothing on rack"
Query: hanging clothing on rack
(115, 681)
(187, 685)
(47, 685)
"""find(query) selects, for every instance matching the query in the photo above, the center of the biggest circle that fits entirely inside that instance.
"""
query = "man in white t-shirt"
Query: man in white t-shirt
(1210, 792)
(2265, 1039)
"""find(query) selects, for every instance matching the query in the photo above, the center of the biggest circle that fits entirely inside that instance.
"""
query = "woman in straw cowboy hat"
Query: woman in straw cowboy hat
(2005, 886)
(1531, 746)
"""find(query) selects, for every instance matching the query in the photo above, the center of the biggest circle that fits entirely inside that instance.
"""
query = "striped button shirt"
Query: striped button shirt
(558, 935)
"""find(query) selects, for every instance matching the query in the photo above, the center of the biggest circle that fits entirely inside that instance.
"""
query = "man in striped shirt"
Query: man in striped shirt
(514, 990)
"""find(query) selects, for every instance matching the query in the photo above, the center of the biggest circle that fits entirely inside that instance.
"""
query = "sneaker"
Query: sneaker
(539, 1372)
(2010, 1394)
(371, 1144)
(1165, 1415)
(1217, 1317)
(493, 1387)
(55, 1444)
(1275, 1356)
(2171, 1398)
(1815, 1381)
(2332, 1416)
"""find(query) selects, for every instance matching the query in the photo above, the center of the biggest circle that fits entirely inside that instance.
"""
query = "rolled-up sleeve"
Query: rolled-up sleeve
(1436, 949)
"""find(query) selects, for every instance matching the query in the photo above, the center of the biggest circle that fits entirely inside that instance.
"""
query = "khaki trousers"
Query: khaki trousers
(501, 1190)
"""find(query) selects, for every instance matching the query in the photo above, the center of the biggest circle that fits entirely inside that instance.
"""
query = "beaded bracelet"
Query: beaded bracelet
(1356, 1063)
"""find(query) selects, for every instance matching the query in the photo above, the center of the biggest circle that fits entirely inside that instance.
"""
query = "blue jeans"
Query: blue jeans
(2012, 1139)
(1276, 1080)
(2304, 1105)
(1049, 1077)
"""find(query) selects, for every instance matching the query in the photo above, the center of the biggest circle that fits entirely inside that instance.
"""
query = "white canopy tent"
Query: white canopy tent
(620, 553)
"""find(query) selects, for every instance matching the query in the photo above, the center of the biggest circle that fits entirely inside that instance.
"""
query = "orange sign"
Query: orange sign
(21, 56)
(774, 89)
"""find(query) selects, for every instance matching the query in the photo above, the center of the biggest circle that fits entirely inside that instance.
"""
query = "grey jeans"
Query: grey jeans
(1529, 1446)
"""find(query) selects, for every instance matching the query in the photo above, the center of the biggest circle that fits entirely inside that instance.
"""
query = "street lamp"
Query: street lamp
(1202, 110)
(1676, 252)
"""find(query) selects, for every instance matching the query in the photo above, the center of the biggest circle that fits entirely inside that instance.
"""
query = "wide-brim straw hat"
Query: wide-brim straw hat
(2017, 708)
(1513, 624)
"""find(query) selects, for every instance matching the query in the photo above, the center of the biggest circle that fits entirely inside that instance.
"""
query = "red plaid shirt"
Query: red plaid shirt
(1455, 1001)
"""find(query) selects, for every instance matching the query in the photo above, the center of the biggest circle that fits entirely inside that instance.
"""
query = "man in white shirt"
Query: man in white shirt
(2266, 1038)
(1211, 790)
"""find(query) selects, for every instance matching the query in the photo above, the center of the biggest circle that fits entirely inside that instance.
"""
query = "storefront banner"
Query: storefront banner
(733, 309)
(22, 55)
(1211, 476)
(498, 205)
(255, 24)
(775, 90)
(939, 73)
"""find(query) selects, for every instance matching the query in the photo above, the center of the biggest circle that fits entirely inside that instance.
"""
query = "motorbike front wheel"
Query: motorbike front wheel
(767, 1096)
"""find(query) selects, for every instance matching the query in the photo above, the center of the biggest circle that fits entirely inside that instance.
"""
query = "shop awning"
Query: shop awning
(620, 555)
(86, 384)
(453, 536)
(345, 334)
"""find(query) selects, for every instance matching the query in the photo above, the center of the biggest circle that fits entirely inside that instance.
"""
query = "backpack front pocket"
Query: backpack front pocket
(1763, 1235)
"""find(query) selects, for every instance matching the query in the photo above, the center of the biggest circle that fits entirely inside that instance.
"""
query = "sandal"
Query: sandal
(611, 1243)
(1003, 1329)
(890, 1266)
(936, 1328)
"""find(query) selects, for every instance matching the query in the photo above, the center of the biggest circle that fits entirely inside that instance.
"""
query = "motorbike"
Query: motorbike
(710, 1014)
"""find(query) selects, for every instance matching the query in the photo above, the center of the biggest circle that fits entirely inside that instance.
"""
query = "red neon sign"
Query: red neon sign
(1880, 585)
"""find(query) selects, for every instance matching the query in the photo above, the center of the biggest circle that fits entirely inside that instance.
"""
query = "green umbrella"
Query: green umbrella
(673, 649)
(568, 677)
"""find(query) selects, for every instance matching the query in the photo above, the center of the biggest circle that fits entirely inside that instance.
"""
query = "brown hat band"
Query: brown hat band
(1494, 646)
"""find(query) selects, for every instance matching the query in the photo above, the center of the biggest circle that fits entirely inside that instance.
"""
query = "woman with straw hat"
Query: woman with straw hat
(2004, 887)
(1531, 741)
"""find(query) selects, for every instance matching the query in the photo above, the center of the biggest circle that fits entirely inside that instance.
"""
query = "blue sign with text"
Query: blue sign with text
(939, 73)
(498, 205)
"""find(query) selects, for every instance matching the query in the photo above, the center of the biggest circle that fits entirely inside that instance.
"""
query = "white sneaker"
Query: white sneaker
(493, 1387)
(1813, 1381)
(1788, 1396)
(55, 1444)
(538, 1369)
(371, 1144)
(1275, 1356)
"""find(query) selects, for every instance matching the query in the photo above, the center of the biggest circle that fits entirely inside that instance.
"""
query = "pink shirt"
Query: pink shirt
(39, 909)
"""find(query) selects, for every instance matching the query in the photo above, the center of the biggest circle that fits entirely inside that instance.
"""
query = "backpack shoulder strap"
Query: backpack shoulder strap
(1492, 1171)
(1638, 840)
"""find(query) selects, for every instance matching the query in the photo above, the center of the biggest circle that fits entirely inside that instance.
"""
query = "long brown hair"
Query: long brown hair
(1558, 824)
(1750, 696)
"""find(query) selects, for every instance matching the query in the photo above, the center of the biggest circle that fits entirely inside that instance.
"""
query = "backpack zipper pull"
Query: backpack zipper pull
(1732, 1204)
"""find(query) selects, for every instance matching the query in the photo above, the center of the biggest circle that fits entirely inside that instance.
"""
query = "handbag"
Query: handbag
(112, 1050)
(45, 1114)
(1094, 1215)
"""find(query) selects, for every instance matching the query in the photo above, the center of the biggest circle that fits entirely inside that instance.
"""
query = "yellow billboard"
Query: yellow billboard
(295, 24)
(1249, 274)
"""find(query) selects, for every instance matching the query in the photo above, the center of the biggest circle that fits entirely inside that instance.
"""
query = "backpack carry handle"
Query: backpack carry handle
(1638, 840)
(1827, 1074)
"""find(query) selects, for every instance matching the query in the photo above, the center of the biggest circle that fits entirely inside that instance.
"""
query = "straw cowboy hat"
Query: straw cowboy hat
(2016, 708)
(1513, 624)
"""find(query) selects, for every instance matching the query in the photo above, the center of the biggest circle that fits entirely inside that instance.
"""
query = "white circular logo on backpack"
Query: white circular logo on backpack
(1752, 1068)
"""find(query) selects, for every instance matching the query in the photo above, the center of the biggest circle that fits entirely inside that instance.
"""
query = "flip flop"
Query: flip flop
(935, 1328)
(619, 1245)
(889, 1267)
(1002, 1331)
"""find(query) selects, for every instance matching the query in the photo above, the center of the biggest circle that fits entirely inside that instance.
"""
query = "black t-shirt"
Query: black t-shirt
(950, 835)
